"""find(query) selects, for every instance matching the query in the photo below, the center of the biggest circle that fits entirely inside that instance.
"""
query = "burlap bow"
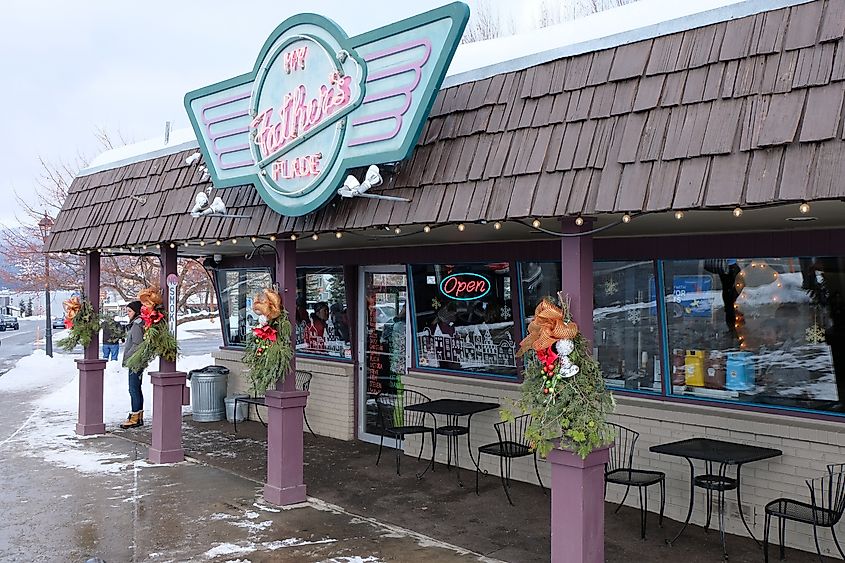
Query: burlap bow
(72, 307)
(268, 303)
(547, 327)
(150, 297)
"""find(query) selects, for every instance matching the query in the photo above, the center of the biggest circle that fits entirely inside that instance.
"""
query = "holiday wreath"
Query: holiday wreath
(563, 388)
(158, 341)
(83, 322)
(268, 349)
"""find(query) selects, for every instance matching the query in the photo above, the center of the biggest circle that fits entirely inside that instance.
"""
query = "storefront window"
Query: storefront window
(322, 321)
(767, 330)
(625, 320)
(464, 318)
(627, 343)
(237, 290)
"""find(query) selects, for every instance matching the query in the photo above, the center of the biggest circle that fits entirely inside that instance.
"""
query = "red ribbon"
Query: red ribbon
(150, 316)
(547, 356)
(68, 323)
(265, 332)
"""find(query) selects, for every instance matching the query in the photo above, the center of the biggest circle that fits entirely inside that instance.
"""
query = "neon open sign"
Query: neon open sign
(465, 287)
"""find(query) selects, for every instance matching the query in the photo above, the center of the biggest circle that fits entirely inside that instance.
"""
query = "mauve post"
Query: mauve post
(285, 405)
(167, 389)
(91, 367)
(578, 485)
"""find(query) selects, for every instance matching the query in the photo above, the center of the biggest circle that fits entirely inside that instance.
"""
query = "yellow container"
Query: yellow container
(694, 368)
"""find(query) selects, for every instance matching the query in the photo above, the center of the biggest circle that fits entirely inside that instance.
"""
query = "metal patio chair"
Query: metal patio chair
(512, 444)
(303, 383)
(619, 470)
(396, 422)
(827, 503)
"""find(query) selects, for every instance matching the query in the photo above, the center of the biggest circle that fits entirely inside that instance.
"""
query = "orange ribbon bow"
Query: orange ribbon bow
(547, 327)
(72, 307)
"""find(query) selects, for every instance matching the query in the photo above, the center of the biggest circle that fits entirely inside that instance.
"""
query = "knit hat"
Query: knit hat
(135, 306)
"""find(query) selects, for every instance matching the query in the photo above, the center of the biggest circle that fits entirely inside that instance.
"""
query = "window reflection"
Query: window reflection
(758, 330)
(322, 318)
(238, 288)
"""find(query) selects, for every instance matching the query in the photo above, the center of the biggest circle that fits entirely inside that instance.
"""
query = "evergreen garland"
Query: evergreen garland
(570, 408)
(268, 350)
(158, 341)
(84, 324)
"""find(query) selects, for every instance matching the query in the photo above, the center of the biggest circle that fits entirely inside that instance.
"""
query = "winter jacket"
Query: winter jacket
(134, 337)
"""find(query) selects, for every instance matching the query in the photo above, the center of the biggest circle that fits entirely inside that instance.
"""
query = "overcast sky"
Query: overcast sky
(70, 68)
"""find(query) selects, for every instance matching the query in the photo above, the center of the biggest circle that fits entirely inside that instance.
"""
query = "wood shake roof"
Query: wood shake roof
(743, 112)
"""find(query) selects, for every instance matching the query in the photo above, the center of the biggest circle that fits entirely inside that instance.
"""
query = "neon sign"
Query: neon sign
(318, 103)
(465, 287)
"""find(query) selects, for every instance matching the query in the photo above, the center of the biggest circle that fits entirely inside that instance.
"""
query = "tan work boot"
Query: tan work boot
(134, 420)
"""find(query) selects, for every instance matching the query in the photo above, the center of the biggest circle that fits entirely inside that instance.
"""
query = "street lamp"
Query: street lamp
(44, 225)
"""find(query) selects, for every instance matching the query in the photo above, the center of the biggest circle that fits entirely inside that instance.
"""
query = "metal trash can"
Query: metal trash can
(208, 392)
(243, 408)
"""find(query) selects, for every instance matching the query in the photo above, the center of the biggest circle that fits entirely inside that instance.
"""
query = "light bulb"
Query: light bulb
(679, 215)
(426, 229)
(804, 208)
(397, 230)
(293, 236)
(497, 225)
(626, 218)
(217, 242)
(234, 241)
(338, 235)
(273, 238)
(172, 245)
(202, 243)
(253, 239)
(461, 227)
(144, 247)
(737, 211)
(315, 236)
(536, 223)
(579, 220)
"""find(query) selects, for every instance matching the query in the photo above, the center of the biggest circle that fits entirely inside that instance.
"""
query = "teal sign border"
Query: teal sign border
(334, 174)
(470, 274)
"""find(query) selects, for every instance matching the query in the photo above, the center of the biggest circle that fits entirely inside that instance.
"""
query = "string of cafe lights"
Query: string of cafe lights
(399, 232)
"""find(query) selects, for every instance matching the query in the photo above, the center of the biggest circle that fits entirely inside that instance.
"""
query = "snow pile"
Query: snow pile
(38, 371)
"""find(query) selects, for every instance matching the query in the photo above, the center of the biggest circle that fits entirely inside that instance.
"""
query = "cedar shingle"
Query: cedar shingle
(542, 80)
(578, 68)
(461, 202)
(634, 124)
(702, 45)
(523, 144)
(543, 111)
(737, 40)
(468, 152)
(534, 162)
(500, 197)
(675, 133)
(528, 73)
(478, 94)
(727, 178)
(814, 66)
(694, 88)
(522, 196)
(754, 111)
(833, 22)
(584, 189)
(750, 76)
(623, 100)
(555, 142)
(630, 60)
(827, 172)
(515, 108)
(691, 179)
(763, 175)
(604, 199)
(664, 54)
(838, 72)
(568, 146)
(633, 186)
(482, 119)
(601, 143)
(466, 124)
(559, 107)
(822, 116)
(713, 83)
(498, 119)
(781, 121)
(769, 38)
(661, 190)
(498, 154)
(494, 89)
(602, 100)
(585, 141)
(480, 200)
(528, 113)
(729, 78)
(579, 104)
(651, 145)
(442, 214)
(803, 25)
(558, 76)
(796, 171)
(722, 125)
(648, 93)
(547, 193)
(600, 67)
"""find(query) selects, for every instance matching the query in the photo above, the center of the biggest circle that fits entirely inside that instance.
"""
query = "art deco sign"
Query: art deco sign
(318, 103)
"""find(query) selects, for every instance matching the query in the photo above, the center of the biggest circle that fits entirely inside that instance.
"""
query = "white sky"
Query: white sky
(70, 68)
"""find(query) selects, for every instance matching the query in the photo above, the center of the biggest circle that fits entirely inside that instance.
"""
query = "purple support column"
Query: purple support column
(578, 485)
(90, 417)
(285, 405)
(578, 506)
(168, 385)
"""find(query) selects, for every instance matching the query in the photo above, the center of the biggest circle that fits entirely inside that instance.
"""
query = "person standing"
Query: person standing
(134, 337)
(112, 335)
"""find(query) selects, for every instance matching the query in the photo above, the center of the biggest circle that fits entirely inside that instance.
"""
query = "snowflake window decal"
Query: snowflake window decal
(611, 286)
(814, 334)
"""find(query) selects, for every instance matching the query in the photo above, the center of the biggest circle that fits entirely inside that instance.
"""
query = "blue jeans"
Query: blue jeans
(135, 393)
(110, 351)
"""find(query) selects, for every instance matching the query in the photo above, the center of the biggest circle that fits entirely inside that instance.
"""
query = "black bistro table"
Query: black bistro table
(453, 410)
(723, 454)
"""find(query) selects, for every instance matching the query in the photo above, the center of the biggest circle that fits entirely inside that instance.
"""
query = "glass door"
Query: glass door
(383, 351)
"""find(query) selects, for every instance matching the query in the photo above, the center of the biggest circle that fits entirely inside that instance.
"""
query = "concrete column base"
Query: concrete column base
(167, 417)
(285, 484)
(578, 506)
(90, 415)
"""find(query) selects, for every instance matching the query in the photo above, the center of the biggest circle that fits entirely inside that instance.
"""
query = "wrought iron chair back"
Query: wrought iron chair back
(622, 450)
(827, 495)
(391, 409)
(303, 379)
(513, 431)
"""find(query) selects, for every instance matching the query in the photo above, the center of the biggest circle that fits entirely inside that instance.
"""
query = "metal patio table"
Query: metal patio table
(453, 409)
(721, 453)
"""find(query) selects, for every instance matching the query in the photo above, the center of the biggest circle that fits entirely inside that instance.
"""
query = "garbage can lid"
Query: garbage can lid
(219, 370)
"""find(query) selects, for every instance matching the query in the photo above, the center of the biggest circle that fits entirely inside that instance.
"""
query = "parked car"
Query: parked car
(10, 322)
(58, 322)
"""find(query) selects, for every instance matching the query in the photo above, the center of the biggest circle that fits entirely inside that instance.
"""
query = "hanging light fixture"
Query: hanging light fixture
(338, 235)
(497, 225)
(536, 223)
(315, 236)
(397, 230)
(626, 218)
(202, 243)
(426, 229)
(293, 236)
(679, 215)
(461, 227)
(579, 220)
(737, 211)
(273, 238)
(804, 208)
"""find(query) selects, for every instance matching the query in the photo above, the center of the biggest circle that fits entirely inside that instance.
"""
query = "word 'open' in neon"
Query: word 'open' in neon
(465, 287)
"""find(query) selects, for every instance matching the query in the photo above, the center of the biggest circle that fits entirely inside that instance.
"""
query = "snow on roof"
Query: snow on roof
(640, 20)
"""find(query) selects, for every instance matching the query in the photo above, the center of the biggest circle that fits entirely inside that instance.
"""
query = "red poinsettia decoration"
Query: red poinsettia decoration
(265, 332)
(68, 323)
(547, 356)
(150, 316)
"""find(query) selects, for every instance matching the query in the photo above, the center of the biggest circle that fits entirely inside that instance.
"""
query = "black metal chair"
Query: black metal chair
(303, 383)
(396, 422)
(619, 470)
(827, 503)
(512, 444)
